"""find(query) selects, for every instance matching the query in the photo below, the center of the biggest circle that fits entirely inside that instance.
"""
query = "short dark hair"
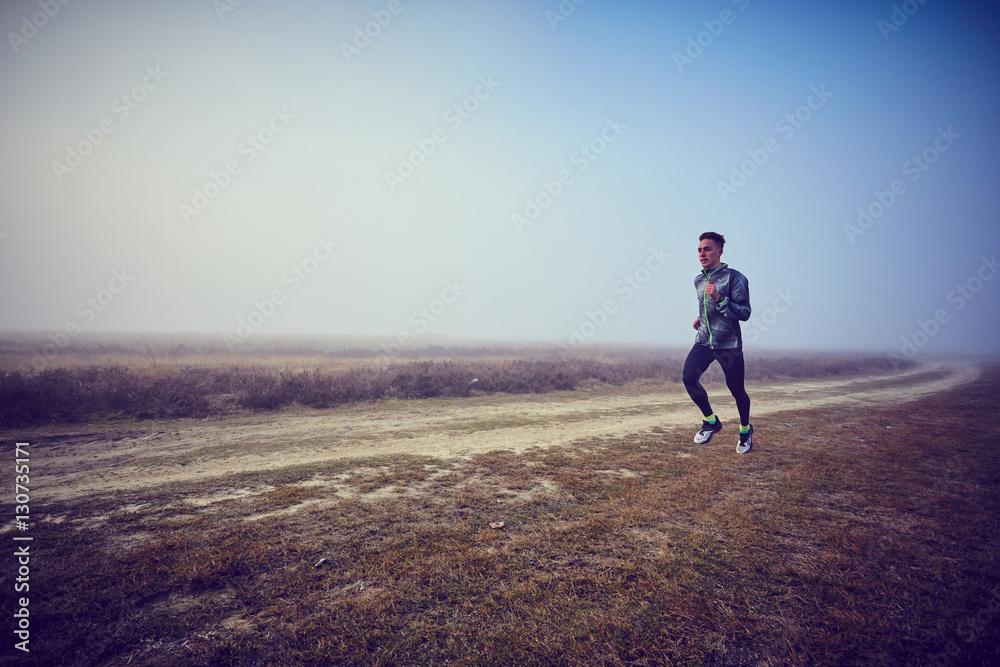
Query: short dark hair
(719, 239)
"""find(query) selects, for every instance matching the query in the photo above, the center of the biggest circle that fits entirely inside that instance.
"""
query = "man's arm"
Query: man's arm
(737, 304)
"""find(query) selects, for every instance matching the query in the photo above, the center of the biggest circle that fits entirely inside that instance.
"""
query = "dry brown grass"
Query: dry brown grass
(838, 541)
(89, 385)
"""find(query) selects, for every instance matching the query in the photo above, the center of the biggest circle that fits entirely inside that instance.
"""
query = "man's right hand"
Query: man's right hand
(697, 322)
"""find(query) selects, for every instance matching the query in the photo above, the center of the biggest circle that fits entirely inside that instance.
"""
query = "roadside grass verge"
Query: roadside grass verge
(124, 391)
(847, 537)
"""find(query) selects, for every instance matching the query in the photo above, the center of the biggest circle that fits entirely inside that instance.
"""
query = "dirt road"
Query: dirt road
(69, 462)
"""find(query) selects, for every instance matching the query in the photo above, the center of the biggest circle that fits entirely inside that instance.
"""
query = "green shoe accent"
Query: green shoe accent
(744, 429)
(711, 418)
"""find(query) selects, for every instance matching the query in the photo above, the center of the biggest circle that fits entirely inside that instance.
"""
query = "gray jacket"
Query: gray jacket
(719, 322)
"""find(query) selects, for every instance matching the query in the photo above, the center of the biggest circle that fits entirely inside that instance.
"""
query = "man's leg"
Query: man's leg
(732, 365)
(697, 362)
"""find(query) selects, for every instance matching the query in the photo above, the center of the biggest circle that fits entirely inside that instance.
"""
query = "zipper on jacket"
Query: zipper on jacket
(704, 305)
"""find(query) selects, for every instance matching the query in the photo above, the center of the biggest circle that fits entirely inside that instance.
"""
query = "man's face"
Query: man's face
(709, 254)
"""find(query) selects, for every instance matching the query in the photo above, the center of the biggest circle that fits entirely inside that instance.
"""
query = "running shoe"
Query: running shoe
(707, 431)
(746, 442)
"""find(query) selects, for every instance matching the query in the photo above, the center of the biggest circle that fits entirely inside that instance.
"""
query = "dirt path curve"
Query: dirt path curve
(73, 462)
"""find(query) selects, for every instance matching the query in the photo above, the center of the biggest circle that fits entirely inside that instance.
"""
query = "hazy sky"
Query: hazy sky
(515, 169)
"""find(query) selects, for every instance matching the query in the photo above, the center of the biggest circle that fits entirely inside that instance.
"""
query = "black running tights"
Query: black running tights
(699, 359)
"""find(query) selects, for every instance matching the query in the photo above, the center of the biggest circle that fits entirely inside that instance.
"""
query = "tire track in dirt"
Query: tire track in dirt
(82, 462)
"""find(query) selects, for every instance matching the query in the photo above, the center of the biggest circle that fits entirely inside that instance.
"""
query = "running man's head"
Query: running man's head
(710, 249)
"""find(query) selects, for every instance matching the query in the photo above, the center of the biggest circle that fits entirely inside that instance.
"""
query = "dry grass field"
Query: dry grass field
(152, 381)
(537, 525)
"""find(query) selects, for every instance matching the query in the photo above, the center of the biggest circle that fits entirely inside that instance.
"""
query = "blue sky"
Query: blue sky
(330, 126)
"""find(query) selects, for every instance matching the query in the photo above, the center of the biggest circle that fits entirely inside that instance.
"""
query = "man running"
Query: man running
(723, 300)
